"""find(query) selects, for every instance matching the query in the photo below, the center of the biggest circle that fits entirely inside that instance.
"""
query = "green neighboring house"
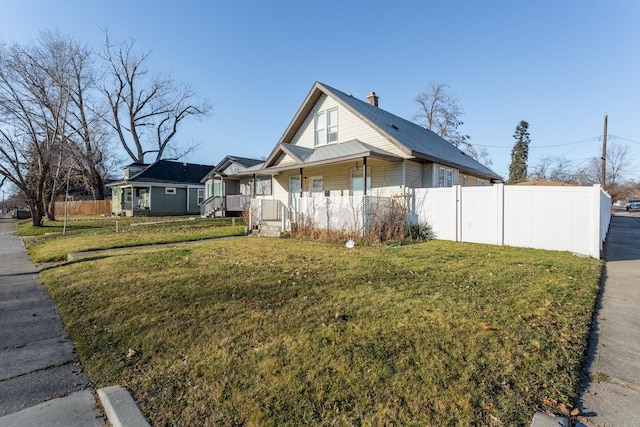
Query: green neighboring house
(159, 189)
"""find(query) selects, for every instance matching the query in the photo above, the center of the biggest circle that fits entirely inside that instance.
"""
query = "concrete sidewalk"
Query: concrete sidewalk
(611, 395)
(41, 380)
(37, 360)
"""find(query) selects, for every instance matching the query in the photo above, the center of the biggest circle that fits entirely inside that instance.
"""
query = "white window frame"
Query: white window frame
(446, 177)
(200, 196)
(332, 128)
(325, 133)
(312, 187)
(264, 186)
(360, 171)
(170, 190)
(449, 178)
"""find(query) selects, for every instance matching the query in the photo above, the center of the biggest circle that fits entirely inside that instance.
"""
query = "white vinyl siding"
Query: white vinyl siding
(349, 127)
(427, 175)
(413, 174)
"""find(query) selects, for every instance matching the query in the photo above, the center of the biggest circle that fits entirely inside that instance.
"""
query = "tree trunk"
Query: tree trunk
(37, 214)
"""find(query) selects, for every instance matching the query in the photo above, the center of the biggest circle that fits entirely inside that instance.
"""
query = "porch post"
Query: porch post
(301, 191)
(254, 186)
(223, 197)
(364, 175)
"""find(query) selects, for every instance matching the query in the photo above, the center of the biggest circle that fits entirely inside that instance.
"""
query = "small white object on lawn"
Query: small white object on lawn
(350, 243)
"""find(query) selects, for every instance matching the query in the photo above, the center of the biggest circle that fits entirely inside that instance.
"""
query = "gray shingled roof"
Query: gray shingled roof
(344, 151)
(419, 141)
(410, 138)
(245, 162)
(167, 171)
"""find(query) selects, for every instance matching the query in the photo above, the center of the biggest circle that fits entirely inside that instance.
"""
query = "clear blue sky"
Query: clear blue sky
(560, 65)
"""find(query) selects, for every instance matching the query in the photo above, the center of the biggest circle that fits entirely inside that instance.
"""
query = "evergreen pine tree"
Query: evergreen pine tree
(519, 154)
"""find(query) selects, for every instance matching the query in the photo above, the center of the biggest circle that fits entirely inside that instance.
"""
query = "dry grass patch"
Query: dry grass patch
(282, 332)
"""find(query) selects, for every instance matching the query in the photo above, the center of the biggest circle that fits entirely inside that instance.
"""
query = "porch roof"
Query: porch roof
(328, 154)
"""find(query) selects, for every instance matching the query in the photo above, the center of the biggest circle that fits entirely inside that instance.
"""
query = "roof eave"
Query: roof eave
(357, 156)
(461, 168)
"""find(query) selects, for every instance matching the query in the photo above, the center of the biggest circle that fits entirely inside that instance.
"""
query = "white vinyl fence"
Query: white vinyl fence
(564, 218)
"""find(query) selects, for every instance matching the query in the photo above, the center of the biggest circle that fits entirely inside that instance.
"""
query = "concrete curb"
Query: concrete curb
(540, 419)
(120, 407)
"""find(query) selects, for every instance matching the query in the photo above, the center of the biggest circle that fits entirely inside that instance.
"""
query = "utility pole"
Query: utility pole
(603, 179)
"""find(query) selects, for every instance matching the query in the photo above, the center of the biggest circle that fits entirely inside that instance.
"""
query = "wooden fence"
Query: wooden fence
(85, 207)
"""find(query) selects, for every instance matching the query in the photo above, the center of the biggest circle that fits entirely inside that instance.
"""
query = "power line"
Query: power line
(624, 139)
(543, 146)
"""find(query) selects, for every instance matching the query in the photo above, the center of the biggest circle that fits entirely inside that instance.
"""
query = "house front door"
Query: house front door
(294, 192)
(357, 181)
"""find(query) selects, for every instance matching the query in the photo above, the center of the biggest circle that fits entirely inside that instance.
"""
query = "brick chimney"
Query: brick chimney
(373, 99)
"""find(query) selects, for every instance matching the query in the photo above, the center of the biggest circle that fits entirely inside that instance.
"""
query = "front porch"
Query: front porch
(223, 206)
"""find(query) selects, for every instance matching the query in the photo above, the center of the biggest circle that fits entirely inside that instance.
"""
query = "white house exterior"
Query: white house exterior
(337, 145)
(227, 193)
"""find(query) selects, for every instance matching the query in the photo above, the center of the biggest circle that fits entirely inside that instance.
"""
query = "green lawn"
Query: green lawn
(92, 233)
(282, 332)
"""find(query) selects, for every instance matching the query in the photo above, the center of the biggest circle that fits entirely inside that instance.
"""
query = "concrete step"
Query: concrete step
(270, 228)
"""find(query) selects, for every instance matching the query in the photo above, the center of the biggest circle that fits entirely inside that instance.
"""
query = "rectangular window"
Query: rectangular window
(248, 188)
(263, 186)
(169, 190)
(217, 188)
(200, 196)
(449, 182)
(332, 125)
(445, 177)
(326, 127)
(321, 128)
(357, 181)
(465, 181)
(316, 185)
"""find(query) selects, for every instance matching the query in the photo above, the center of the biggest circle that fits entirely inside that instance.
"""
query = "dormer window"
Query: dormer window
(326, 127)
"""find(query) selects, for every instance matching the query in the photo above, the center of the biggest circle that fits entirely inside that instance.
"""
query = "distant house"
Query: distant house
(227, 193)
(161, 188)
(338, 145)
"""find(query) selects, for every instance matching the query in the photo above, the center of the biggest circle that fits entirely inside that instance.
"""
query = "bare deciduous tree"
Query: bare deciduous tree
(91, 142)
(34, 100)
(145, 111)
(618, 163)
(557, 169)
(440, 112)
